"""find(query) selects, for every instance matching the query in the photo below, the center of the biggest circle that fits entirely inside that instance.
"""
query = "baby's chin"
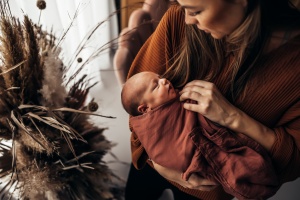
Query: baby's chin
(174, 93)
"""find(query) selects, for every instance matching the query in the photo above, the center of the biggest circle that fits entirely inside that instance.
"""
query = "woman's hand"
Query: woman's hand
(213, 105)
(210, 102)
(194, 182)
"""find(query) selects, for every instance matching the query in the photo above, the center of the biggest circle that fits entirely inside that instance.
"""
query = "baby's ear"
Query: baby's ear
(143, 108)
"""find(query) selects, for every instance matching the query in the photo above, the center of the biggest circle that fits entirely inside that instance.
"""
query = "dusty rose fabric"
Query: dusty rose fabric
(183, 140)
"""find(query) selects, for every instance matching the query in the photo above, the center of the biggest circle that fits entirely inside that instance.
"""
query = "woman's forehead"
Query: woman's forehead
(190, 4)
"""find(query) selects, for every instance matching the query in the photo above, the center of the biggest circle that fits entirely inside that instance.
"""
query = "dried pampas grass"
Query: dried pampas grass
(56, 152)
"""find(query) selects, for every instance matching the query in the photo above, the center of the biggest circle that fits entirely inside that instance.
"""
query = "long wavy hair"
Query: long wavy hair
(245, 45)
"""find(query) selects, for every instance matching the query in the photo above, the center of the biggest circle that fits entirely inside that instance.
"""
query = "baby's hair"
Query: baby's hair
(130, 99)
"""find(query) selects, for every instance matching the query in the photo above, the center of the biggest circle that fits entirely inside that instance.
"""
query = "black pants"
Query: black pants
(147, 184)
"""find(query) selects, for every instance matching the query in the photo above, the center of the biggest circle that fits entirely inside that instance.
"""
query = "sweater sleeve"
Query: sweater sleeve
(155, 56)
(286, 150)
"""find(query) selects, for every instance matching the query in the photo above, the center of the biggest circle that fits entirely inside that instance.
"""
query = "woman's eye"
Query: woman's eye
(194, 13)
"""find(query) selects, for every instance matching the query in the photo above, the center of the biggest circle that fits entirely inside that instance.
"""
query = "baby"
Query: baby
(186, 141)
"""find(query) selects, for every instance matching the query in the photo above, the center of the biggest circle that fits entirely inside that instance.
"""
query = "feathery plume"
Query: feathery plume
(55, 152)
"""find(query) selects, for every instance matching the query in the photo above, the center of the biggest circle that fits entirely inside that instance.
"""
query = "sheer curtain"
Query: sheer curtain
(83, 16)
(57, 16)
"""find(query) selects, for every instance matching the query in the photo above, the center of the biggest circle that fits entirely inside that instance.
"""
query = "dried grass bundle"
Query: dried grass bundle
(56, 152)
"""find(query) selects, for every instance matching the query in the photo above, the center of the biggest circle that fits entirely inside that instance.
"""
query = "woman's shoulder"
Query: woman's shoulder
(279, 38)
(174, 16)
(283, 57)
(284, 49)
(175, 9)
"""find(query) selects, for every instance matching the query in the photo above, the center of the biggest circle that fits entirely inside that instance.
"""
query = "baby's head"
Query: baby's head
(145, 91)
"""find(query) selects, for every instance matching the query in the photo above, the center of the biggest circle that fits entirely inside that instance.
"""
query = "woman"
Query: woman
(240, 60)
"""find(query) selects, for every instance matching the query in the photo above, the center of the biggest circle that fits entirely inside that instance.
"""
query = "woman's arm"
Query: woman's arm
(282, 142)
(212, 104)
(241, 122)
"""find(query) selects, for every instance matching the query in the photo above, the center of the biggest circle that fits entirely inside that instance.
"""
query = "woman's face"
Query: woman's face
(216, 17)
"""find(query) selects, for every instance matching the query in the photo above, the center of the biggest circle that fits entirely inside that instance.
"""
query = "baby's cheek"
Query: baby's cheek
(171, 95)
(162, 98)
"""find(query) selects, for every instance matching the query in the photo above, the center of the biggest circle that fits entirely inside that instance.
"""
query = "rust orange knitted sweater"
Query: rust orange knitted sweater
(273, 98)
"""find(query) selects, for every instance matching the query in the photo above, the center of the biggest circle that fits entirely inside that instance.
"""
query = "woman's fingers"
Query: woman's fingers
(194, 182)
(199, 183)
(200, 83)
(205, 188)
(194, 92)
(192, 107)
(192, 95)
(202, 100)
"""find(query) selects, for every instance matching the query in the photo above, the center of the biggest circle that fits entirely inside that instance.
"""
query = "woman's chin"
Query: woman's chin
(217, 36)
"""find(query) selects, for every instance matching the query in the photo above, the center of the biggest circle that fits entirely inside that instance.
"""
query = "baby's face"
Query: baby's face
(157, 91)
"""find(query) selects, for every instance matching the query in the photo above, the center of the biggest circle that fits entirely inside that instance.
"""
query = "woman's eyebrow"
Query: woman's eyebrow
(188, 7)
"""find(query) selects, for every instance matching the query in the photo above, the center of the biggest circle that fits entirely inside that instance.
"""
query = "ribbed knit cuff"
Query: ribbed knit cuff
(282, 149)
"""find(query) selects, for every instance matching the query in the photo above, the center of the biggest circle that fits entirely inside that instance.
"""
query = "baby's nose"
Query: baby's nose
(164, 81)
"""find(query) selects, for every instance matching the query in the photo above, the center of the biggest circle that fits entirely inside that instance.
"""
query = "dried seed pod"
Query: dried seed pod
(93, 106)
(41, 4)
(79, 60)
